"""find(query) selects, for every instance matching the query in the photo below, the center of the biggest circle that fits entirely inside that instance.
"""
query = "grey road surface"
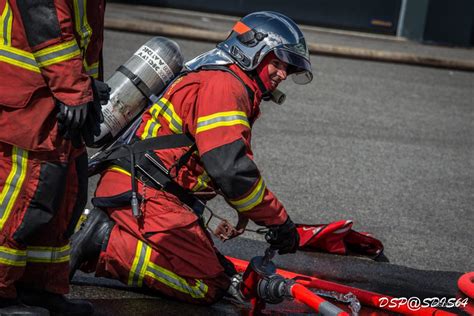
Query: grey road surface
(390, 147)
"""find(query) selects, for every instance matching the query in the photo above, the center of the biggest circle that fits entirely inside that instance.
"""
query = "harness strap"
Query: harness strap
(137, 81)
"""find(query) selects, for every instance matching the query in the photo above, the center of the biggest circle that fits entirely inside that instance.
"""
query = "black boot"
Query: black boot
(87, 243)
(57, 304)
(13, 307)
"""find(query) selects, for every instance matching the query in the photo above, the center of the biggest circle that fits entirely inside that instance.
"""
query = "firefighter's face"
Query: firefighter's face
(277, 71)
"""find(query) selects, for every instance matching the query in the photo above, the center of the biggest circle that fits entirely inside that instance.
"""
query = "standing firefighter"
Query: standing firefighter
(214, 104)
(50, 51)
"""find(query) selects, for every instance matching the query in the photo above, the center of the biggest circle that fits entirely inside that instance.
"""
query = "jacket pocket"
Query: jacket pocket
(18, 86)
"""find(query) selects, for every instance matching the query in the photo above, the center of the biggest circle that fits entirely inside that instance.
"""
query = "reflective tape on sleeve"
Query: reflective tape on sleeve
(253, 199)
(81, 23)
(220, 119)
(6, 20)
(19, 58)
(57, 53)
(92, 70)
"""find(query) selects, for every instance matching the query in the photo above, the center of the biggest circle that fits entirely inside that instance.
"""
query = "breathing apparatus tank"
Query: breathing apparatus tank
(148, 71)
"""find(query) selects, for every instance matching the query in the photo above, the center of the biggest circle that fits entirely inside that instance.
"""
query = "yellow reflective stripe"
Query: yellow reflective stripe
(252, 200)
(151, 129)
(174, 281)
(13, 183)
(166, 109)
(12, 257)
(82, 25)
(57, 53)
(6, 20)
(48, 254)
(229, 118)
(202, 181)
(140, 263)
(92, 70)
(121, 170)
(19, 58)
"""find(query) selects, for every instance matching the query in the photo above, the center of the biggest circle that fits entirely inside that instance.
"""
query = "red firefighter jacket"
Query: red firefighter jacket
(48, 50)
(214, 108)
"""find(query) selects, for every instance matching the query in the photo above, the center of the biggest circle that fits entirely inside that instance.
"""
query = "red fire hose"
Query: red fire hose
(365, 297)
(260, 284)
(466, 284)
(320, 305)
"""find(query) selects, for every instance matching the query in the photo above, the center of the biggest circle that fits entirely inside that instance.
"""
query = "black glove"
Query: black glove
(70, 120)
(284, 237)
(101, 91)
(71, 117)
(91, 127)
(82, 122)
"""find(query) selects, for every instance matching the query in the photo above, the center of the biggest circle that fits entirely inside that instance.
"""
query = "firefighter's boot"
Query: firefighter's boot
(13, 307)
(56, 304)
(87, 243)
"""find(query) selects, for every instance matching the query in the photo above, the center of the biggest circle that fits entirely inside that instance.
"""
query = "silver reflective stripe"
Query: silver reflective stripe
(151, 128)
(6, 22)
(222, 119)
(136, 279)
(93, 71)
(48, 255)
(13, 183)
(56, 54)
(252, 202)
(83, 28)
(254, 199)
(18, 57)
(12, 257)
(164, 108)
(174, 282)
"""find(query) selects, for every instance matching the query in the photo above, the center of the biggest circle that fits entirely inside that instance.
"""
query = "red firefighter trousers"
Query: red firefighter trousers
(41, 196)
(165, 250)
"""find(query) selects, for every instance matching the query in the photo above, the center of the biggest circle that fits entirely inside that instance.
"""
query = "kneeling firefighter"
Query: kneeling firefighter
(205, 120)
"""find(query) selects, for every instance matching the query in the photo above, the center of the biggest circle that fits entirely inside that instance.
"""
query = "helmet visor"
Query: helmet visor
(300, 67)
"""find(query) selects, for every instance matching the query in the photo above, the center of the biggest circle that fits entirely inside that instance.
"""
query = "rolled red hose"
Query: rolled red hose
(323, 307)
(466, 284)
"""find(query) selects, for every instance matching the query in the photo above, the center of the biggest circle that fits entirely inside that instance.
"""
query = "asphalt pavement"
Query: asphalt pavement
(390, 147)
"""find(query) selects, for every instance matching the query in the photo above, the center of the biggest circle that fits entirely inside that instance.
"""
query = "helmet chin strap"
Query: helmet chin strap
(266, 94)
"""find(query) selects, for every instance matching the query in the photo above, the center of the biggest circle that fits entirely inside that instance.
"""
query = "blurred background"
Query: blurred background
(427, 21)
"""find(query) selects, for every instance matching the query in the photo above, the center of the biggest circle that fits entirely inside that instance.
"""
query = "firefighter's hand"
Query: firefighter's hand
(95, 117)
(101, 91)
(225, 230)
(71, 117)
(284, 237)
